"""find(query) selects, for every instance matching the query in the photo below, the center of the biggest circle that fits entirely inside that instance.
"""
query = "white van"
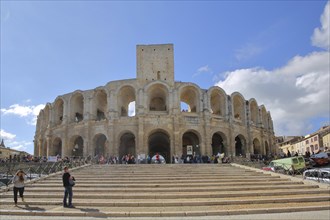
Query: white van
(319, 175)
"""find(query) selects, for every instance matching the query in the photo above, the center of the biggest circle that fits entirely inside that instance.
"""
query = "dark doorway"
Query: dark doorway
(159, 142)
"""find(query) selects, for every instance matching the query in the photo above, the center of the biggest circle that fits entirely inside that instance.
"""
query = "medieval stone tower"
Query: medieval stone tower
(146, 115)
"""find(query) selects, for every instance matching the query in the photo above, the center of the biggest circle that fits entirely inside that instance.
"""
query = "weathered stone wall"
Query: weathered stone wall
(101, 121)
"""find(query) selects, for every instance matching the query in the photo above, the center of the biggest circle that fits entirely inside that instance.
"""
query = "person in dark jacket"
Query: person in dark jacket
(67, 188)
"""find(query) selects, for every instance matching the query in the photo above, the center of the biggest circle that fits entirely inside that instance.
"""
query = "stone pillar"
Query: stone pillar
(40, 147)
(48, 146)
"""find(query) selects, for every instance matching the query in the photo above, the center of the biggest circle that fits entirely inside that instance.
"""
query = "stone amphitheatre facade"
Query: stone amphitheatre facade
(100, 121)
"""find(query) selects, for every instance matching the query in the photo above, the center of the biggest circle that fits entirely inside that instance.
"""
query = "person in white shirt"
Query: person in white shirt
(19, 184)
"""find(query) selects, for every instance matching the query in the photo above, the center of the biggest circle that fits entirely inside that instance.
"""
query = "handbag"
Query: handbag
(71, 182)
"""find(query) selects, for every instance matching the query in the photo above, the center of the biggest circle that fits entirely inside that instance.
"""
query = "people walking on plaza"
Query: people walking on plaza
(19, 185)
(68, 183)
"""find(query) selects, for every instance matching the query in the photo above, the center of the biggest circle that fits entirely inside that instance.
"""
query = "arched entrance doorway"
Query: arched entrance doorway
(240, 145)
(159, 142)
(57, 147)
(127, 145)
(218, 143)
(256, 146)
(99, 145)
(190, 139)
(77, 146)
(268, 151)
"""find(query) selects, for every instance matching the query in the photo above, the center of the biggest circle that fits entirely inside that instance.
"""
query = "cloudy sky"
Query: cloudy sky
(276, 52)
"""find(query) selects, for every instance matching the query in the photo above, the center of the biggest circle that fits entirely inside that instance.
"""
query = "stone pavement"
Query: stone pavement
(171, 190)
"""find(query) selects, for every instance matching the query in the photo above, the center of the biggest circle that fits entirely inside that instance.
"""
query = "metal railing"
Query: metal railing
(37, 169)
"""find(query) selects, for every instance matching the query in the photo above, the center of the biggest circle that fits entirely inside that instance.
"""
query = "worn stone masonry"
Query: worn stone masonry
(153, 113)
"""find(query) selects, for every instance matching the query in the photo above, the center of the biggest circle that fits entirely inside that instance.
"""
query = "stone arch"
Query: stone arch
(127, 144)
(191, 138)
(264, 117)
(159, 142)
(218, 101)
(219, 143)
(99, 144)
(43, 148)
(189, 95)
(254, 112)
(267, 148)
(76, 146)
(158, 97)
(126, 100)
(238, 104)
(100, 105)
(77, 107)
(240, 145)
(58, 111)
(46, 115)
(57, 147)
(257, 146)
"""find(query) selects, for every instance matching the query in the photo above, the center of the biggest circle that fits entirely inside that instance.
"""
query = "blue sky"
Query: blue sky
(276, 52)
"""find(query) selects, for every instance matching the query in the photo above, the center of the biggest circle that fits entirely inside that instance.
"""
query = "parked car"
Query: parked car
(319, 175)
(289, 164)
(320, 158)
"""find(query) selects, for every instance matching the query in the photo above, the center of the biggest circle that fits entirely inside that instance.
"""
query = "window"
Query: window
(307, 141)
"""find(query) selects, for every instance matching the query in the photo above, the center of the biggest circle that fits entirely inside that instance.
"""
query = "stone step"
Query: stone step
(170, 195)
(172, 189)
(164, 185)
(163, 211)
(168, 190)
(178, 202)
(173, 196)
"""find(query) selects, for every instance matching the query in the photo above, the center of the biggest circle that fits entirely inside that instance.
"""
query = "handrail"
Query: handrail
(37, 169)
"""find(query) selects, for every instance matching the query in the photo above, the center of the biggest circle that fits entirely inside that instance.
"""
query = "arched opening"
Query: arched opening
(189, 97)
(77, 146)
(159, 142)
(268, 151)
(238, 108)
(46, 117)
(218, 144)
(218, 103)
(127, 145)
(100, 105)
(256, 146)
(99, 145)
(264, 117)
(158, 96)
(77, 107)
(190, 144)
(240, 145)
(58, 110)
(126, 101)
(254, 110)
(57, 147)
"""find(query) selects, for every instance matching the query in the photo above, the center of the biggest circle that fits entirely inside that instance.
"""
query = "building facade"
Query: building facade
(153, 113)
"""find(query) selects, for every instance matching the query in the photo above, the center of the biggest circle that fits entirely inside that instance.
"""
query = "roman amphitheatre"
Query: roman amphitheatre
(153, 113)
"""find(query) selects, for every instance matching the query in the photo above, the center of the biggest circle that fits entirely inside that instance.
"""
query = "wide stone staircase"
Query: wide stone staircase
(156, 190)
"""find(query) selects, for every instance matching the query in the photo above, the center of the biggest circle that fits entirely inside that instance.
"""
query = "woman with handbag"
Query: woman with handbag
(68, 183)
(18, 181)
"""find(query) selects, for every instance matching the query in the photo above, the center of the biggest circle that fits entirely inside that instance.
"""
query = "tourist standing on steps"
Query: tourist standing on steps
(18, 181)
(67, 183)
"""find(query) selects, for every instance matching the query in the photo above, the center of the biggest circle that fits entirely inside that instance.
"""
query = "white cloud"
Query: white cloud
(11, 142)
(247, 51)
(321, 36)
(28, 112)
(6, 136)
(294, 93)
(203, 69)
(131, 109)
